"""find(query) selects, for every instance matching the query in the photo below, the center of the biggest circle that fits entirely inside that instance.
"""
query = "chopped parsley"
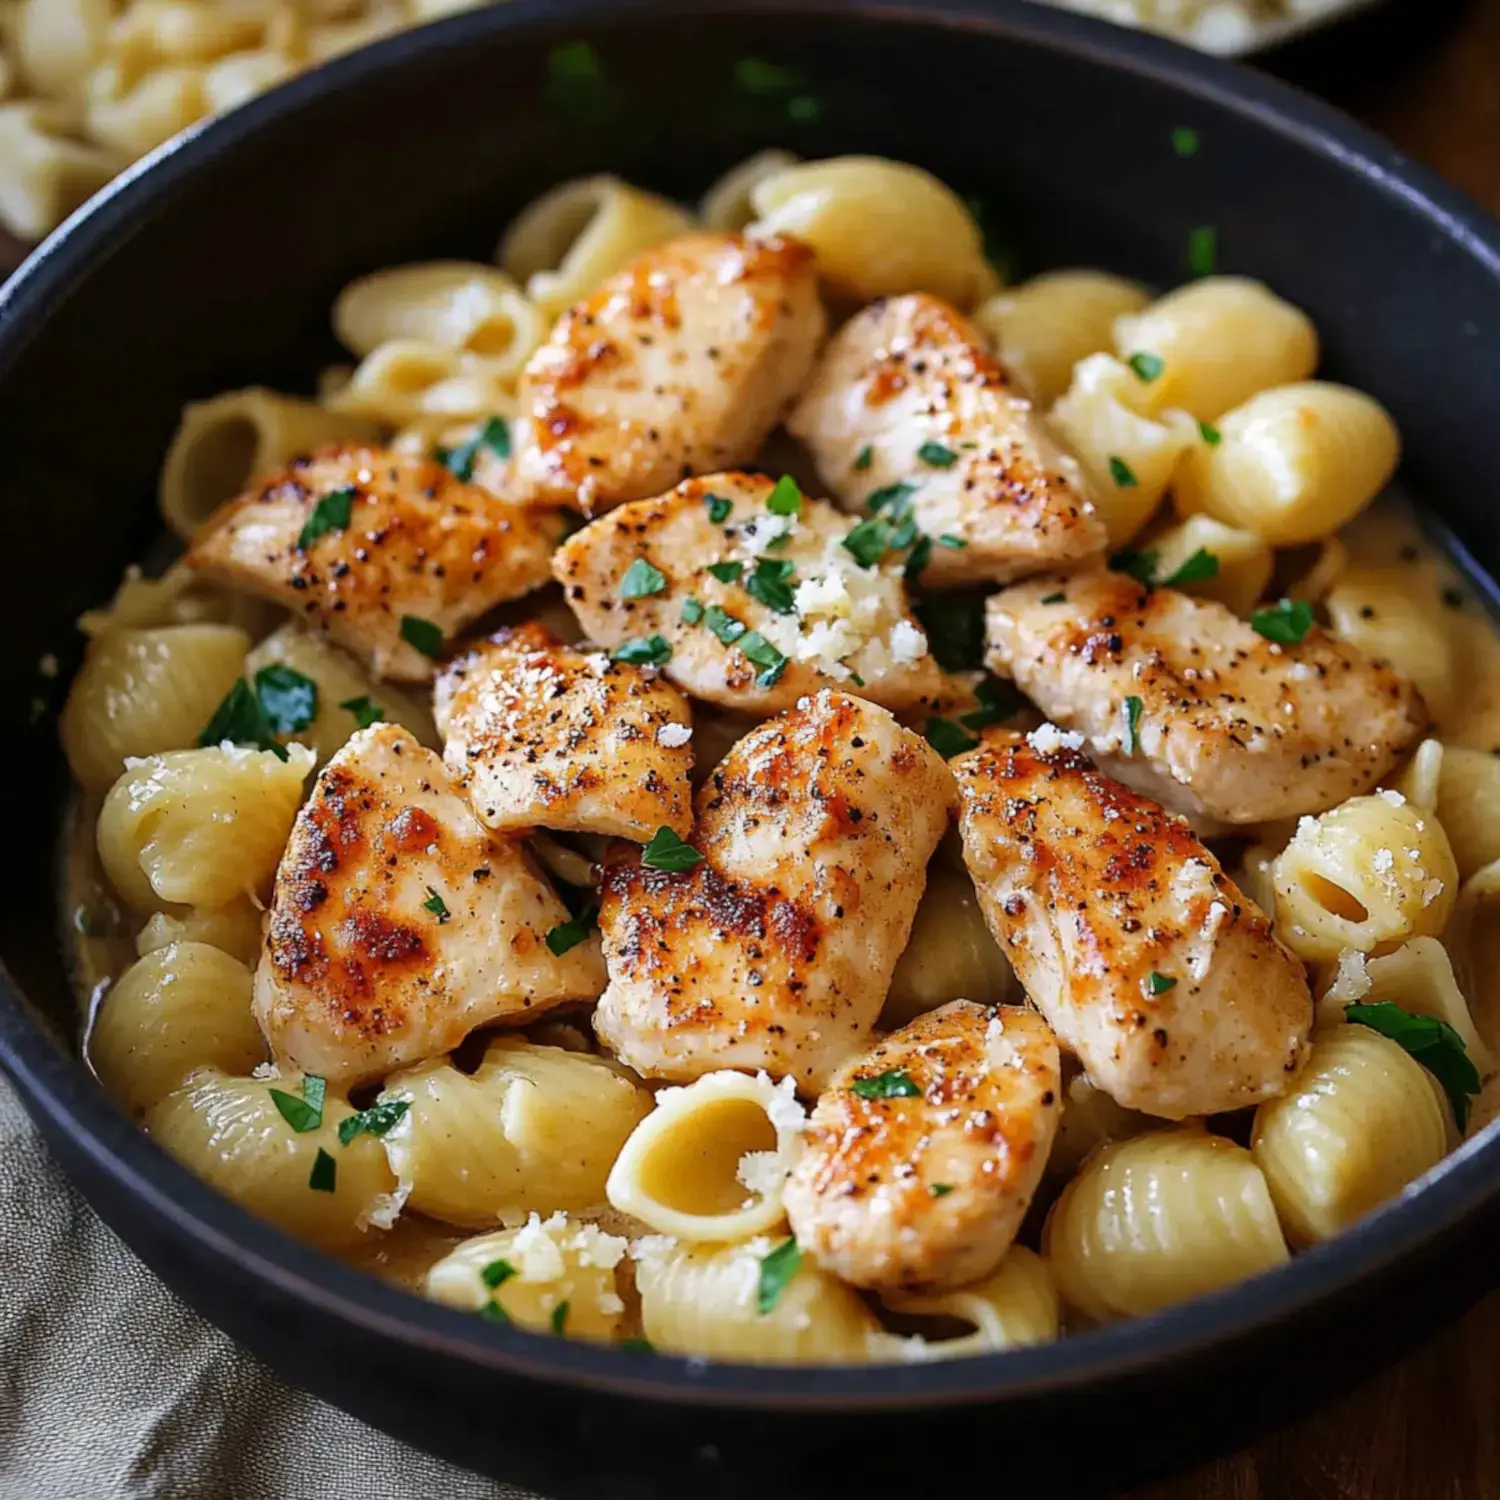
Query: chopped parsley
(1058, 598)
(937, 455)
(1158, 983)
(947, 539)
(896, 1084)
(896, 496)
(560, 1316)
(755, 75)
(1286, 622)
(718, 508)
(904, 534)
(1141, 566)
(759, 650)
(785, 498)
(865, 459)
(496, 1274)
(1121, 472)
(776, 1270)
(643, 651)
(459, 461)
(377, 1120)
(641, 579)
(331, 513)
(868, 542)
(948, 740)
(720, 623)
(669, 853)
(1185, 141)
(692, 611)
(1132, 739)
(998, 701)
(1202, 564)
(422, 635)
(576, 83)
(1203, 250)
(568, 935)
(636, 1346)
(805, 109)
(288, 699)
(1210, 434)
(306, 1113)
(324, 1175)
(998, 249)
(1433, 1043)
(940, 1189)
(727, 572)
(242, 720)
(1147, 367)
(918, 558)
(492, 1312)
(437, 906)
(954, 627)
(365, 712)
(772, 583)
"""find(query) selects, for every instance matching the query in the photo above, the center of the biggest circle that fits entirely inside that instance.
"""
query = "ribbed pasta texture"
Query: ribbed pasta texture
(1159, 1220)
(534, 1128)
(1361, 1122)
(1468, 806)
(140, 692)
(181, 1007)
(200, 827)
(233, 929)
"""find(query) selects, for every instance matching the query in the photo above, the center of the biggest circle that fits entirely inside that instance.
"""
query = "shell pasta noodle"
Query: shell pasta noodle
(1361, 1121)
(770, 1081)
(534, 1128)
(708, 1299)
(709, 1162)
(44, 175)
(1158, 1220)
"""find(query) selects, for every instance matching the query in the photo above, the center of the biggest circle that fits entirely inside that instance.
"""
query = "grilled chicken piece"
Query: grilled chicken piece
(922, 1156)
(1125, 932)
(1230, 725)
(906, 393)
(776, 951)
(542, 735)
(679, 364)
(399, 925)
(847, 622)
(397, 539)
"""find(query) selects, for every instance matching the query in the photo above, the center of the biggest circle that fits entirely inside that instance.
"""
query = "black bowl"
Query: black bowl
(214, 265)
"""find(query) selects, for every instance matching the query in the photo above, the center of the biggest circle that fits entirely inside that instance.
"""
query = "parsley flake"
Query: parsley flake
(377, 1120)
(496, 1274)
(568, 935)
(1132, 739)
(998, 701)
(669, 853)
(576, 83)
(641, 579)
(460, 460)
(636, 1346)
(1058, 598)
(723, 625)
(692, 611)
(492, 1312)
(1433, 1043)
(947, 539)
(643, 651)
(772, 583)
(306, 1113)
(1159, 984)
(755, 75)
(1185, 141)
(895, 496)
(785, 498)
(727, 572)
(1202, 564)
(422, 635)
(331, 513)
(242, 720)
(954, 627)
(940, 1189)
(805, 109)
(758, 649)
(918, 558)
(1210, 434)
(1121, 472)
(1141, 566)
(1147, 367)
(287, 698)
(895, 1084)
(560, 1316)
(364, 710)
(948, 739)
(865, 459)
(437, 906)
(1286, 622)
(324, 1175)
(937, 455)
(868, 542)
(776, 1270)
(1203, 250)
(718, 508)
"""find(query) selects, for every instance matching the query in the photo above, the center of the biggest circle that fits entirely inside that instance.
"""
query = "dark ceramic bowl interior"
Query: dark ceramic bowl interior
(214, 265)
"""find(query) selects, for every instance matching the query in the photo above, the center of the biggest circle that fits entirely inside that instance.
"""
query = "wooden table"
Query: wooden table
(1430, 1428)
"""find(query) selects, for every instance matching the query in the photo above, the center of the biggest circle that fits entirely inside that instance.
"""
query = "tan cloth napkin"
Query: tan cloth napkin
(112, 1389)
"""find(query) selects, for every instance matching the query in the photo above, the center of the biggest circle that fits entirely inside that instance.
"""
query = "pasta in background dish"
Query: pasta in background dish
(249, 832)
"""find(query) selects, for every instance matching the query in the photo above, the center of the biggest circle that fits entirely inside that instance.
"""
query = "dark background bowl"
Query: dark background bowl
(215, 266)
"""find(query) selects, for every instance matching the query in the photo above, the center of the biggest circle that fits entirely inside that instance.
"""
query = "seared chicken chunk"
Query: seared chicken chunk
(1182, 699)
(907, 394)
(398, 924)
(362, 542)
(679, 364)
(776, 950)
(542, 735)
(923, 1155)
(736, 587)
(1125, 932)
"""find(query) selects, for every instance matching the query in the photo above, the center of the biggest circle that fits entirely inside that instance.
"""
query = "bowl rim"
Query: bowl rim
(60, 1089)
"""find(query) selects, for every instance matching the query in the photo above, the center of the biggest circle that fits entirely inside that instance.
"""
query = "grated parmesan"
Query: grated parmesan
(673, 736)
(1046, 738)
